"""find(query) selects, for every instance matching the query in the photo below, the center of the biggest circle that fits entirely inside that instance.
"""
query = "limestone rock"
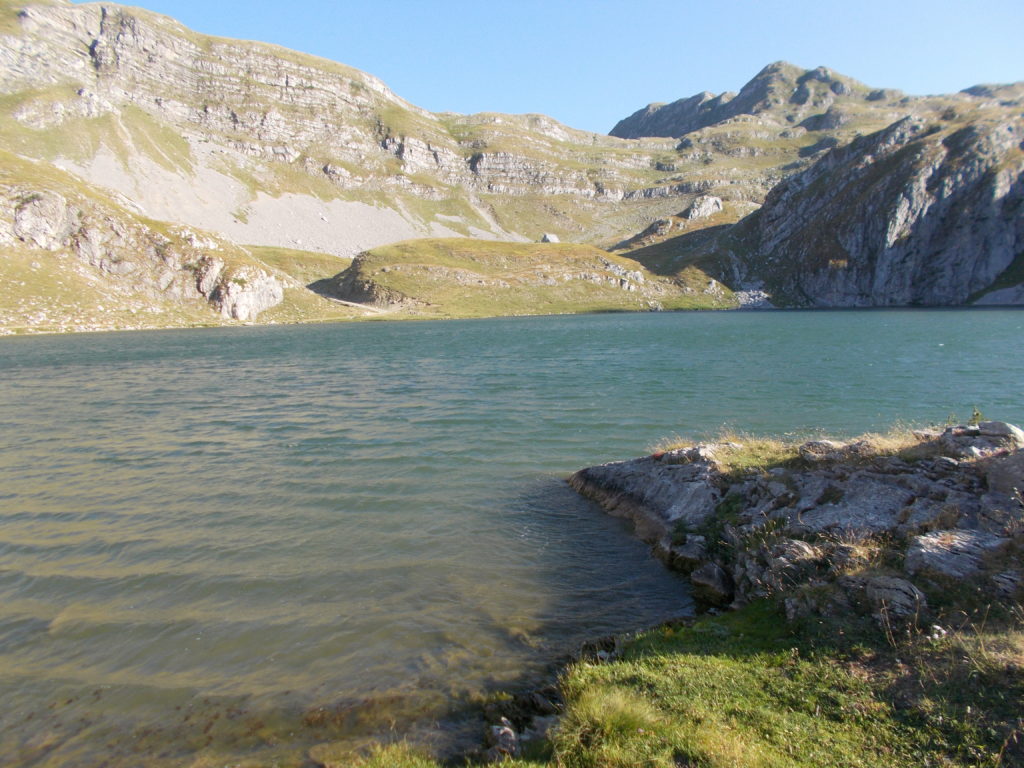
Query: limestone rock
(712, 584)
(1009, 584)
(247, 294)
(502, 741)
(866, 503)
(1014, 435)
(1005, 474)
(818, 524)
(702, 207)
(657, 496)
(208, 273)
(45, 220)
(957, 554)
(937, 227)
(688, 555)
(986, 439)
(894, 598)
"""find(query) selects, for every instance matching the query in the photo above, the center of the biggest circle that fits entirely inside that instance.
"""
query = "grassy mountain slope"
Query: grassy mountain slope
(467, 278)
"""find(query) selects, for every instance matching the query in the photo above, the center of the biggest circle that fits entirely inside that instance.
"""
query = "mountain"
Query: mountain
(925, 211)
(154, 176)
(812, 99)
(262, 147)
(922, 213)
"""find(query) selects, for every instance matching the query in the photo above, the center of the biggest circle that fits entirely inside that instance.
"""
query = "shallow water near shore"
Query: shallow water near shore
(242, 542)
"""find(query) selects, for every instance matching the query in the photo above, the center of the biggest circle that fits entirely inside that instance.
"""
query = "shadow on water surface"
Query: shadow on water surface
(616, 587)
(602, 580)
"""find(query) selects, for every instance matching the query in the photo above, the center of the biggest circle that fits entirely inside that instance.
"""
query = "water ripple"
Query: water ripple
(204, 534)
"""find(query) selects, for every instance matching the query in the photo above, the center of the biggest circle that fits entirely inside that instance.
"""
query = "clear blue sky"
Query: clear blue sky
(590, 63)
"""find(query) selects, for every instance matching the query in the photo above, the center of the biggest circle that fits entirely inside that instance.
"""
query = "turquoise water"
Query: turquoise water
(242, 542)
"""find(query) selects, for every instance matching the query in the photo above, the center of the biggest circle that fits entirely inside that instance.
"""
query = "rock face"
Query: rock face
(921, 213)
(44, 220)
(242, 118)
(779, 87)
(893, 598)
(702, 207)
(112, 244)
(243, 294)
(656, 492)
(956, 554)
(804, 532)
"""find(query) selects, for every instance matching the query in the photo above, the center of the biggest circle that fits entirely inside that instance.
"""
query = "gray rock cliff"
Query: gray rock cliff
(921, 213)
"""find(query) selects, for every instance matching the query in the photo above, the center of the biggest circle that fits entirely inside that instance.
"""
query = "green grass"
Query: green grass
(729, 691)
(478, 278)
(747, 689)
(740, 453)
(304, 266)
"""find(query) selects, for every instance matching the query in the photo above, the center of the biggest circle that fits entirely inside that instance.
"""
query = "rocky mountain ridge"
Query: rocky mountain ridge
(249, 143)
(810, 99)
(922, 213)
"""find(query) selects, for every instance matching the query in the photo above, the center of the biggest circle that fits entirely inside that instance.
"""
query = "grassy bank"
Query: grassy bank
(749, 689)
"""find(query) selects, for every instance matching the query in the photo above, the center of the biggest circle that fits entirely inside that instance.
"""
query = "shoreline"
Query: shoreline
(950, 494)
(860, 557)
(22, 332)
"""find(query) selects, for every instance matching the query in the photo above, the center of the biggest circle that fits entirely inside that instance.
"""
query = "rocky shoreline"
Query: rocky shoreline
(858, 533)
(867, 526)
(945, 506)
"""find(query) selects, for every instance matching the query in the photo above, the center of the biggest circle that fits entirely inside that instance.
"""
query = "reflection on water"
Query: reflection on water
(244, 542)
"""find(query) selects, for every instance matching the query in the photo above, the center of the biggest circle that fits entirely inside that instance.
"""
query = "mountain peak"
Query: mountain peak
(779, 87)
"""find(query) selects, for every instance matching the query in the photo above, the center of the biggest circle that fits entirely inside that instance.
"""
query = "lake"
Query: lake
(220, 543)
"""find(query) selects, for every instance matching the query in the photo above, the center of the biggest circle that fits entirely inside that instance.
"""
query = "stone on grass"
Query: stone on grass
(502, 740)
